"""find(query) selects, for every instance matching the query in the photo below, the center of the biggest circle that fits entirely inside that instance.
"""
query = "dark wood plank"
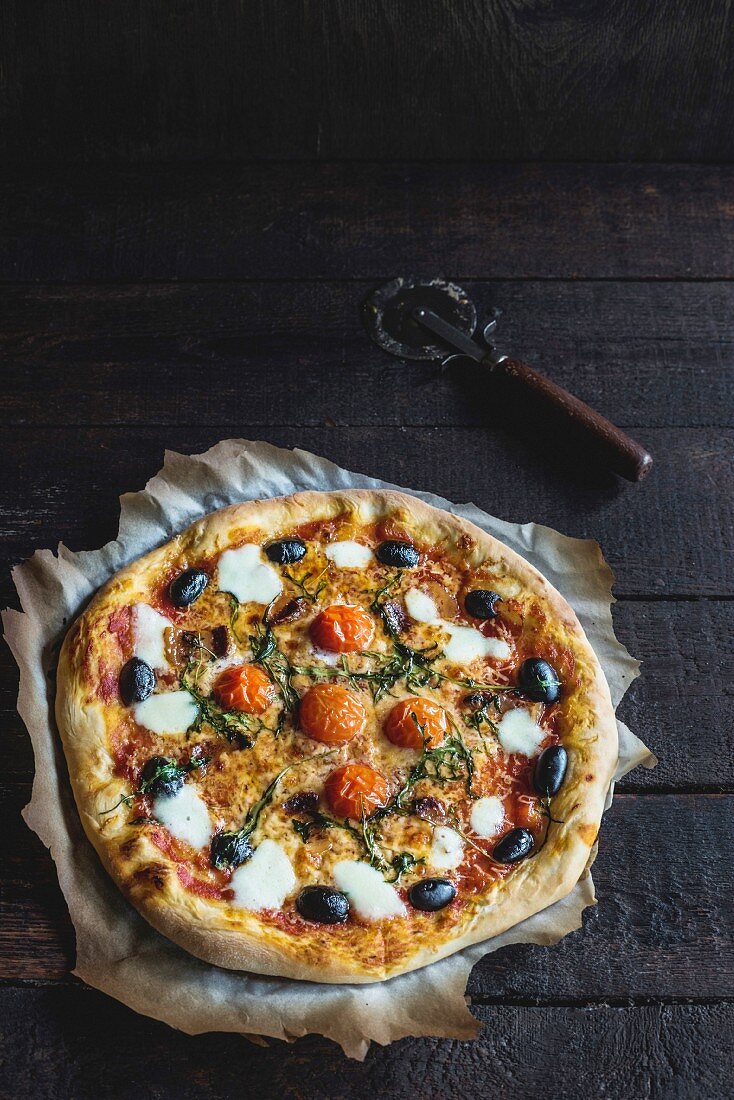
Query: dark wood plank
(683, 704)
(650, 354)
(663, 928)
(672, 535)
(90, 1047)
(477, 79)
(371, 221)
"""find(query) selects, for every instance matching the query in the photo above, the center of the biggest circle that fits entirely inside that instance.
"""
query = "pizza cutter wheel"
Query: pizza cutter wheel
(437, 320)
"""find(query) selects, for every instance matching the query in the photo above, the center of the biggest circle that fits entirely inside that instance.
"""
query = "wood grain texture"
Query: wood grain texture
(614, 280)
(648, 354)
(58, 491)
(370, 221)
(480, 79)
(92, 1047)
(663, 928)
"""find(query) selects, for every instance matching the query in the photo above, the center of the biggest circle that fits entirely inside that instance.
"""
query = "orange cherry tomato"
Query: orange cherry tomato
(332, 714)
(355, 789)
(401, 728)
(244, 687)
(342, 629)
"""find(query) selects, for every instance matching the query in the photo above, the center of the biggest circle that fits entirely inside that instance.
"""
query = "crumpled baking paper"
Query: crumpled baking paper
(117, 951)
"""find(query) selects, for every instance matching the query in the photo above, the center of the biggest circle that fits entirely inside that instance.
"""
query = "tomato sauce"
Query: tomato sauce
(126, 752)
(107, 683)
(120, 624)
(215, 885)
(318, 529)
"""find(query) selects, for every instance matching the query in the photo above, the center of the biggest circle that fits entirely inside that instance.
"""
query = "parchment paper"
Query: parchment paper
(117, 951)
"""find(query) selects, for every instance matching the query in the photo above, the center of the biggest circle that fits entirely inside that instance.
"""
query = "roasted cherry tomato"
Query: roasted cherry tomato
(246, 688)
(342, 629)
(332, 714)
(402, 728)
(356, 789)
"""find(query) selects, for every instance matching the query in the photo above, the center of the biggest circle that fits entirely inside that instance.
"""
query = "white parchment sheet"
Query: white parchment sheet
(117, 951)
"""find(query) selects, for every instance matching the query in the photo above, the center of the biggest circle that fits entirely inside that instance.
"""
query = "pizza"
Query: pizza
(335, 736)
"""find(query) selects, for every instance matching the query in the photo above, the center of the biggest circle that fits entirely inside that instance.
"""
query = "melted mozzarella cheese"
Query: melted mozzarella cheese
(487, 815)
(148, 635)
(244, 573)
(420, 606)
(369, 895)
(326, 657)
(447, 849)
(467, 644)
(348, 554)
(173, 712)
(185, 815)
(519, 732)
(266, 880)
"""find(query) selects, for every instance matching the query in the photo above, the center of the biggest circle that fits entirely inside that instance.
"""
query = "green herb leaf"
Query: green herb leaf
(166, 771)
(300, 583)
(235, 725)
(266, 652)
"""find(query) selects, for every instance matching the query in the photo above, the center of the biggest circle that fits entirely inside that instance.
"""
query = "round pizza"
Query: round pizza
(335, 736)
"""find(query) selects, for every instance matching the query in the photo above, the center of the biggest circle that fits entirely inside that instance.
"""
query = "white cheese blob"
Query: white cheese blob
(250, 579)
(185, 815)
(447, 849)
(467, 644)
(266, 880)
(326, 657)
(173, 712)
(519, 732)
(148, 635)
(369, 895)
(487, 816)
(420, 606)
(348, 554)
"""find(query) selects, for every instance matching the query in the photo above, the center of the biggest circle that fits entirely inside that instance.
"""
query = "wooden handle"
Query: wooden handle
(621, 453)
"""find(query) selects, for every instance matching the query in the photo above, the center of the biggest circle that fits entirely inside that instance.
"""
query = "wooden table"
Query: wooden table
(147, 308)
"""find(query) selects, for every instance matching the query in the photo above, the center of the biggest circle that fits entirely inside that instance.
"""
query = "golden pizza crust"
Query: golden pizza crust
(238, 939)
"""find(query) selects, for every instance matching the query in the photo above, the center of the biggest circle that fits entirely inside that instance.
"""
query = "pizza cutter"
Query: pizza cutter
(437, 320)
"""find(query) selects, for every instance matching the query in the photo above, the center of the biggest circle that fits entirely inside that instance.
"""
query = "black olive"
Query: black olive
(480, 603)
(322, 905)
(431, 894)
(539, 680)
(401, 555)
(137, 681)
(242, 741)
(286, 551)
(161, 776)
(186, 588)
(230, 850)
(515, 846)
(550, 770)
